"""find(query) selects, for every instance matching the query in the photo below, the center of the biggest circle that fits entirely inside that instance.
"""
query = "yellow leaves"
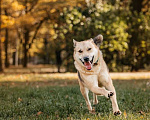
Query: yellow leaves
(52, 10)
(148, 52)
(125, 114)
(108, 32)
(143, 54)
(26, 20)
(79, 5)
(52, 32)
(111, 49)
(113, 64)
(43, 30)
(143, 44)
(7, 21)
(2, 39)
(139, 20)
(16, 6)
(47, 30)
(35, 48)
(48, 0)
(6, 3)
(125, 44)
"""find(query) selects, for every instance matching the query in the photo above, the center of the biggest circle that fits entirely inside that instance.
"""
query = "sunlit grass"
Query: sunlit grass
(68, 77)
(57, 96)
(30, 101)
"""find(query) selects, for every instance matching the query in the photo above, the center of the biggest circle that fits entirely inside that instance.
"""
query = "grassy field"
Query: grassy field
(38, 96)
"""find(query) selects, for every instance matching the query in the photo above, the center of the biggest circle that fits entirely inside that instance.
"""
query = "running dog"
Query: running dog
(93, 73)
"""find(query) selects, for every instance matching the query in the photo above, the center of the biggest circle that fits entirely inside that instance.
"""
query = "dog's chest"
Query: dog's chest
(89, 80)
(95, 80)
(103, 78)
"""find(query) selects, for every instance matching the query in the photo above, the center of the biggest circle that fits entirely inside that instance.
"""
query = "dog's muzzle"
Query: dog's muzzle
(87, 63)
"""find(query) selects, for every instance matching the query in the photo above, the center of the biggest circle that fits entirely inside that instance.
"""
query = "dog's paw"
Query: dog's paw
(117, 113)
(110, 94)
(95, 102)
(92, 111)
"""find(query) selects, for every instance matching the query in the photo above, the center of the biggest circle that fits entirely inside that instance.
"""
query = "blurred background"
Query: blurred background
(36, 35)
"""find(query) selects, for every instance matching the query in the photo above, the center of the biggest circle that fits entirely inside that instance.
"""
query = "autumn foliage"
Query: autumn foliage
(41, 32)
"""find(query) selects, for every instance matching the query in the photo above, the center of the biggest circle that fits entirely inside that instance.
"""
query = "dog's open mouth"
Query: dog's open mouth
(88, 64)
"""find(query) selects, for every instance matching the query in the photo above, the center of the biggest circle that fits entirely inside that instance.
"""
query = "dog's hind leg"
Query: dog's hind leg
(95, 100)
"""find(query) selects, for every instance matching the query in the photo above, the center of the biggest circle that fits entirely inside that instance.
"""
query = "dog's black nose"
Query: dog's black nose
(86, 59)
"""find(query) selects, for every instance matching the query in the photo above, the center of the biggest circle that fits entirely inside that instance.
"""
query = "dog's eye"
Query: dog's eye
(89, 49)
(80, 51)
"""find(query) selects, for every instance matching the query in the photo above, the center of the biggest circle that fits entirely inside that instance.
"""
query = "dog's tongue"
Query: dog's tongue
(87, 65)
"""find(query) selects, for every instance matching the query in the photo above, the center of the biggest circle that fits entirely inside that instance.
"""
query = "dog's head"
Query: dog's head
(86, 51)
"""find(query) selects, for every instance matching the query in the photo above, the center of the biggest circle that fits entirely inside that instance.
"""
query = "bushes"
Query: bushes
(126, 35)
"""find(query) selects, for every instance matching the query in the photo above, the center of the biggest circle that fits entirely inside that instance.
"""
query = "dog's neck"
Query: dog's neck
(96, 63)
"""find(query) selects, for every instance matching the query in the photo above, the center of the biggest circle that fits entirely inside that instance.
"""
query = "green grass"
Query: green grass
(33, 100)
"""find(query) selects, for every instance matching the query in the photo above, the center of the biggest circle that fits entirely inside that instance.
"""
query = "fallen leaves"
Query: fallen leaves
(125, 114)
(39, 113)
(19, 99)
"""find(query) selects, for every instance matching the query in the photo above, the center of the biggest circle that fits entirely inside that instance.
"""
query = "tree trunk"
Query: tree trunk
(58, 59)
(25, 49)
(46, 56)
(13, 56)
(16, 55)
(1, 67)
(67, 57)
(6, 48)
(6, 44)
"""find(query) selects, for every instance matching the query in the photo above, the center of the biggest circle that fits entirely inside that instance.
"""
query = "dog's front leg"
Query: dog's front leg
(109, 85)
(115, 107)
(92, 84)
(101, 91)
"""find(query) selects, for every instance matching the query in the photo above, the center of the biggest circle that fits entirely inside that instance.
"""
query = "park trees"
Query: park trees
(31, 18)
(53, 24)
(124, 31)
(88, 22)
(28, 25)
(139, 42)
(1, 68)
(69, 22)
(8, 23)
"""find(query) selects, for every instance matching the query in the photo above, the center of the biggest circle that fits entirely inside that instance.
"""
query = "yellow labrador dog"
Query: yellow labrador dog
(93, 74)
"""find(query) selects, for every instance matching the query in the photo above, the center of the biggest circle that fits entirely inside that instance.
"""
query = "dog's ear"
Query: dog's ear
(98, 40)
(74, 43)
(91, 39)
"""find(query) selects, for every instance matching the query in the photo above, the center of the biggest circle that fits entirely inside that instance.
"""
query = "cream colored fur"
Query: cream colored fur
(97, 79)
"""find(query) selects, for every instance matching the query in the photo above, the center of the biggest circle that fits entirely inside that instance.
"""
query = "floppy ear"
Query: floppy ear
(74, 43)
(98, 40)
